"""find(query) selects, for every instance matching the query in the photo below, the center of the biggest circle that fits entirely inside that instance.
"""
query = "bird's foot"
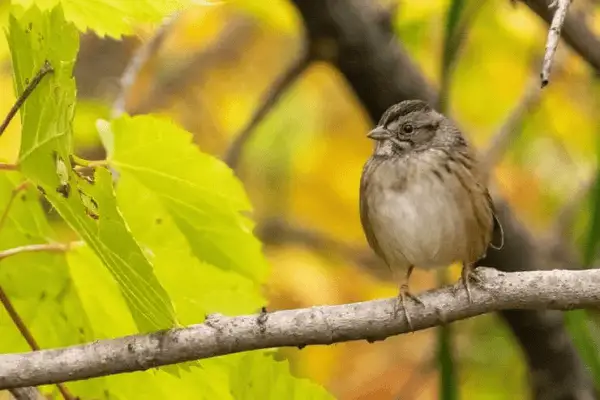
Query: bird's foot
(468, 274)
(401, 302)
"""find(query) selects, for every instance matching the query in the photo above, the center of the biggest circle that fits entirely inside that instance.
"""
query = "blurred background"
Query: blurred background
(211, 67)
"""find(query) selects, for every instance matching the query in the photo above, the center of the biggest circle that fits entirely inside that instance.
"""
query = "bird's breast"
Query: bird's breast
(423, 215)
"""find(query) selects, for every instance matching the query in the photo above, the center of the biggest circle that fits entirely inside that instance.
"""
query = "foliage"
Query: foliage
(177, 209)
(161, 233)
(99, 16)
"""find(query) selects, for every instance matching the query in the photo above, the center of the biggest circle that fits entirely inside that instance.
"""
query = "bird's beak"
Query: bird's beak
(379, 133)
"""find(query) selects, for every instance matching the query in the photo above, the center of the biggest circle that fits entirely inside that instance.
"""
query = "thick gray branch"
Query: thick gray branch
(372, 320)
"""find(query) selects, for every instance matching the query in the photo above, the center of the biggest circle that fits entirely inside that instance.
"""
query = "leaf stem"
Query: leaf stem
(46, 68)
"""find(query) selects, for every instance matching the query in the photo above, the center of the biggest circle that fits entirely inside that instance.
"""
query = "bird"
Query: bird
(423, 197)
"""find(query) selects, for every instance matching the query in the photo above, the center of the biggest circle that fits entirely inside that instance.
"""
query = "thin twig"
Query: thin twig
(322, 325)
(35, 248)
(20, 324)
(575, 32)
(10, 309)
(13, 194)
(510, 129)
(46, 68)
(8, 167)
(141, 57)
(289, 77)
(553, 37)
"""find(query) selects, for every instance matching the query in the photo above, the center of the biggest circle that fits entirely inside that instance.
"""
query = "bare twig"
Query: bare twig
(141, 57)
(18, 321)
(8, 167)
(553, 37)
(372, 321)
(510, 128)
(575, 32)
(46, 69)
(20, 324)
(35, 248)
(289, 77)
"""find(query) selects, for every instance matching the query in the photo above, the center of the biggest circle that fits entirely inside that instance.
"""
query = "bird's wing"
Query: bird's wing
(497, 241)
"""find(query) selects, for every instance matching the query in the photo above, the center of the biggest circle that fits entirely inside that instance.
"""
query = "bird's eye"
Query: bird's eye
(407, 128)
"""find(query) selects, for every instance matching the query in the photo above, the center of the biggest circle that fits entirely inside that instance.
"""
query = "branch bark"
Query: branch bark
(575, 32)
(26, 393)
(372, 321)
(558, 20)
(270, 99)
(140, 58)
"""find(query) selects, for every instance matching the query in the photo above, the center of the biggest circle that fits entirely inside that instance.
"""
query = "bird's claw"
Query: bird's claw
(401, 302)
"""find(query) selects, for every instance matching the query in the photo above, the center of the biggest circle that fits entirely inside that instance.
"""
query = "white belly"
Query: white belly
(425, 224)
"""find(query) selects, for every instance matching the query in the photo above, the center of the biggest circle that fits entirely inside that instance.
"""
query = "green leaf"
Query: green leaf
(37, 284)
(90, 209)
(199, 192)
(259, 376)
(48, 111)
(109, 17)
(206, 288)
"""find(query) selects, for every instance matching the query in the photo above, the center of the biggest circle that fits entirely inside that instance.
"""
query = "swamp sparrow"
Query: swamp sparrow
(423, 199)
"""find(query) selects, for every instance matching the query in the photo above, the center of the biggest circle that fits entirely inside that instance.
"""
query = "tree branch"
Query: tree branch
(575, 32)
(510, 128)
(140, 58)
(288, 78)
(556, 25)
(26, 393)
(372, 321)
